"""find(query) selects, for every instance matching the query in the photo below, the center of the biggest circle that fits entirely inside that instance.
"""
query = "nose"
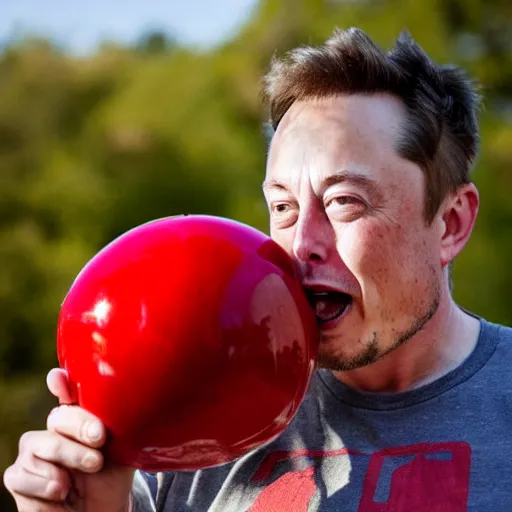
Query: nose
(312, 238)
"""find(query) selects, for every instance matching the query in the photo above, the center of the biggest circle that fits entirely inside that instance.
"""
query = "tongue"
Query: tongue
(330, 307)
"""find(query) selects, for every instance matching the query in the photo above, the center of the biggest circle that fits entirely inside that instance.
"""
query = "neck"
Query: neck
(441, 346)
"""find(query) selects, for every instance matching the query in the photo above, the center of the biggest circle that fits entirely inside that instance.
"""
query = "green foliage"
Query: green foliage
(90, 147)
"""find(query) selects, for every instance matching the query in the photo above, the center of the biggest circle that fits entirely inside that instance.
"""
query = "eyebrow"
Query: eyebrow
(342, 176)
(270, 184)
(362, 180)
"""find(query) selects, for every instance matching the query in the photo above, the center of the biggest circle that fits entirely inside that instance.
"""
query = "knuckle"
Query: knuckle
(61, 417)
(25, 441)
(52, 418)
(75, 423)
(9, 478)
(49, 450)
(37, 466)
(55, 491)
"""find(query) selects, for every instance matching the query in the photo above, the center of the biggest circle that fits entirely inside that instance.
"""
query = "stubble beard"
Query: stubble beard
(371, 351)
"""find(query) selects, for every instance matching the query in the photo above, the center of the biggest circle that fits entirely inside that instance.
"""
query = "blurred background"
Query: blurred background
(119, 112)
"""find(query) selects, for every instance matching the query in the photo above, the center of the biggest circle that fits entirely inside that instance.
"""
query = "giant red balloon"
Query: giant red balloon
(191, 339)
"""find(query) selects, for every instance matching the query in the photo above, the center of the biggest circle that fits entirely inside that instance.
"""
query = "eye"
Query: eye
(344, 200)
(281, 207)
(283, 214)
(345, 208)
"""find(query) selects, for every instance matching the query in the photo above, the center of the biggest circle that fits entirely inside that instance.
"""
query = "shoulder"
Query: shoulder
(496, 332)
(496, 339)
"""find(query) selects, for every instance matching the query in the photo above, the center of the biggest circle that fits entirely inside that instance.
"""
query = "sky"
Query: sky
(81, 24)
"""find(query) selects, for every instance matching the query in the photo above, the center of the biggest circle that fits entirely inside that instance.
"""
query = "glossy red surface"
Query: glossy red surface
(191, 339)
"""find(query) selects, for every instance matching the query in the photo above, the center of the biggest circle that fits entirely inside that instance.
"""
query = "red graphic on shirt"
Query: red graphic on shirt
(427, 477)
(290, 493)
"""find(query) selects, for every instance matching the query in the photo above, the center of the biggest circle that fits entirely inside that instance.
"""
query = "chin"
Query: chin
(332, 357)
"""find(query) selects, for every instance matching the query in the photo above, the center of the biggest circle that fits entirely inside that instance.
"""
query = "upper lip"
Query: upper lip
(322, 288)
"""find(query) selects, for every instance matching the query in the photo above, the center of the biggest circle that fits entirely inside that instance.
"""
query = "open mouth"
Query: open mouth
(328, 306)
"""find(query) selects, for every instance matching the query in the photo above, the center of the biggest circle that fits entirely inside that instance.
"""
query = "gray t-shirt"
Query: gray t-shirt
(443, 447)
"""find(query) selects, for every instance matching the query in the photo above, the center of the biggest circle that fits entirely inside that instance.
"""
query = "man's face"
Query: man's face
(350, 211)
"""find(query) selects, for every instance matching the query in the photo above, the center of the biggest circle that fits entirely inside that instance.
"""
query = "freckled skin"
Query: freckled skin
(380, 249)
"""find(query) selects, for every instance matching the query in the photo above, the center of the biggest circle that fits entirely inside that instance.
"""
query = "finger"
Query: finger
(44, 469)
(78, 424)
(24, 504)
(21, 482)
(52, 447)
(58, 383)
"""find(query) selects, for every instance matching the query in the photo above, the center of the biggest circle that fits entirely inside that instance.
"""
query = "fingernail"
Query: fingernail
(94, 431)
(90, 461)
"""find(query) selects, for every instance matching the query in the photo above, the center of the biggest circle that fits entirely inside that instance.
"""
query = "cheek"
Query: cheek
(387, 255)
(283, 237)
(369, 250)
(394, 272)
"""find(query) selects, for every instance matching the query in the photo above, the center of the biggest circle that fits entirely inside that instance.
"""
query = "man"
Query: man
(368, 189)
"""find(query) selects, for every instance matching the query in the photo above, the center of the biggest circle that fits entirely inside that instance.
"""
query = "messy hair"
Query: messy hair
(441, 129)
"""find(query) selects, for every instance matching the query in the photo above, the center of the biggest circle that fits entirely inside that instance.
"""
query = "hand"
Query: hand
(62, 468)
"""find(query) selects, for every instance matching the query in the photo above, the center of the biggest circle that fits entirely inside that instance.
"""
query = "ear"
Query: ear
(458, 218)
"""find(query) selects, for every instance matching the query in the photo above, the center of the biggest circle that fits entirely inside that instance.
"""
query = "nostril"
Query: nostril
(310, 251)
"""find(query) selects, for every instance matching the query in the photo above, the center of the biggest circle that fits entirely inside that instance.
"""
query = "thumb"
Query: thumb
(59, 385)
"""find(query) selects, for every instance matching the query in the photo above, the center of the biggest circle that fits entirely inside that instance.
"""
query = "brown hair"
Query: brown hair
(441, 130)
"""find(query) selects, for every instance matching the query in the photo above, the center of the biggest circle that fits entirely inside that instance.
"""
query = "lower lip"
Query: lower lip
(330, 324)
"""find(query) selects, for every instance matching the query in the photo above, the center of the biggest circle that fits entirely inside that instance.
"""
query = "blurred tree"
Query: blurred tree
(155, 42)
